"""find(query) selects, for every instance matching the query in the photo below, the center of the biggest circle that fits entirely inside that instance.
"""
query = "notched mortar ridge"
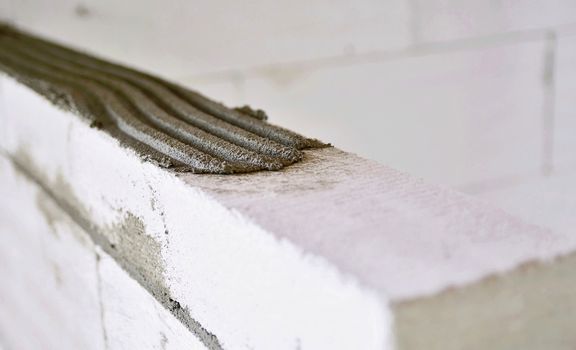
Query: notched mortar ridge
(163, 122)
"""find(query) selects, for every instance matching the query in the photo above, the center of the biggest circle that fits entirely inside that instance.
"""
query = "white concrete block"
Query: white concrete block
(180, 38)
(454, 117)
(564, 156)
(334, 252)
(444, 20)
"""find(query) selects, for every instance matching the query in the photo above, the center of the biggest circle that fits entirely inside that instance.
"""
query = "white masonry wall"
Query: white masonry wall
(474, 94)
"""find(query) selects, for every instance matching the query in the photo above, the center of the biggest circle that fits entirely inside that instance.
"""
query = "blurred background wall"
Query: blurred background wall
(474, 94)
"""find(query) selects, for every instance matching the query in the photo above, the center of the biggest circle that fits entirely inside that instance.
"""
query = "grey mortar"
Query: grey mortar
(165, 123)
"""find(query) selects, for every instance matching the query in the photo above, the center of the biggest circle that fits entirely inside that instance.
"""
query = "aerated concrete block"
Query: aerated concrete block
(334, 252)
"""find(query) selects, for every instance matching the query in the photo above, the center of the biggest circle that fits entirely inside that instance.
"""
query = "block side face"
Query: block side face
(532, 307)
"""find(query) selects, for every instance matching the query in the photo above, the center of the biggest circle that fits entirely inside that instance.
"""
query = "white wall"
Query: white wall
(469, 93)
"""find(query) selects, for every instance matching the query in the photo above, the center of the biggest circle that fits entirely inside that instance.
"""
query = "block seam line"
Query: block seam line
(100, 300)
